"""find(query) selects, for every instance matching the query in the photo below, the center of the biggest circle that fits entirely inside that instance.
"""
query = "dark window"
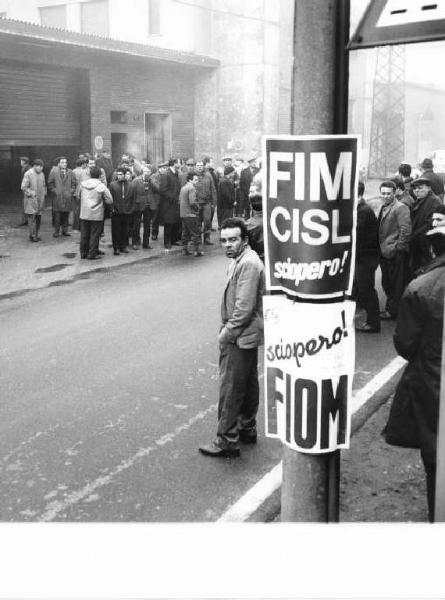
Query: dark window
(119, 117)
(95, 18)
(53, 16)
(154, 17)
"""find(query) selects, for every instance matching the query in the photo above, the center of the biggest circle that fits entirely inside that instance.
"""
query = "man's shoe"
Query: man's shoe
(367, 329)
(66, 234)
(117, 253)
(214, 449)
(248, 437)
(186, 253)
(386, 316)
(135, 247)
(154, 237)
(55, 235)
(97, 257)
(101, 252)
(147, 247)
(124, 250)
(198, 253)
(83, 256)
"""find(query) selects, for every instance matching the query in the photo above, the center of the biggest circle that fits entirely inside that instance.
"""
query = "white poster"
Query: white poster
(309, 365)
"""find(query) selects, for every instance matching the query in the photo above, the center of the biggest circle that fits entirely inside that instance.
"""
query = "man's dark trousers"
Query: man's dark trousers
(365, 289)
(394, 280)
(149, 215)
(89, 237)
(119, 231)
(238, 392)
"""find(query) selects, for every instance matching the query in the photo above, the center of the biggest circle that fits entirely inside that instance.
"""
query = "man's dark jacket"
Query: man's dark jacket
(169, 189)
(367, 249)
(421, 217)
(435, 180)
(418, 338)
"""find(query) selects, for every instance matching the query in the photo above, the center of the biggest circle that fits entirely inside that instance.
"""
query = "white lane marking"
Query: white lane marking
(265, 487)
(55, 508)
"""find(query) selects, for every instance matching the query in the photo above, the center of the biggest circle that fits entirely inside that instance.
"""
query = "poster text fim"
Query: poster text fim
(310, 214)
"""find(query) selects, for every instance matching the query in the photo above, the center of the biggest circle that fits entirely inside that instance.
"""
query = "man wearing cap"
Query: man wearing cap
(422, 210)
(24, 166)
(169, 206)
(394, 235)
(226, 193)
(189, 168)
(206, 196)
(414, 413)
(247, 174)
(436, 182)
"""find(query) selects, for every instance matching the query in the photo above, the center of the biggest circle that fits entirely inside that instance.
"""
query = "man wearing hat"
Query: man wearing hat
(394, 226)
(414, 413)
(425, 204)
(435, 180)
(247, 174)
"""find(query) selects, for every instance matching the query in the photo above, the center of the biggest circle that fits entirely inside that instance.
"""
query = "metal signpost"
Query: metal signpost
(309, 234)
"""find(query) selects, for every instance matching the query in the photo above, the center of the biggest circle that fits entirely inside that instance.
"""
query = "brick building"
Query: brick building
(157, 79)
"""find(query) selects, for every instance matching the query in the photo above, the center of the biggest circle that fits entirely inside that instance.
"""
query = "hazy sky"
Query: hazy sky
(424, 62)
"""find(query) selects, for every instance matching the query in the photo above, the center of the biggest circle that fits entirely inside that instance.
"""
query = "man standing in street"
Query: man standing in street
(206, 196)
(240, 335)
(247, 174)
(422, 210)
(394, 235)
(414, 415)
(366, 263)
(169, 206)
(189, 216)
(436, 181)
(93, 196)
(122, 208)
(62, 184)
(34, 191)
(24, 166)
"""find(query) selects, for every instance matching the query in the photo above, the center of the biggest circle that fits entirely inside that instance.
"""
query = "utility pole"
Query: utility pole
(310, 488)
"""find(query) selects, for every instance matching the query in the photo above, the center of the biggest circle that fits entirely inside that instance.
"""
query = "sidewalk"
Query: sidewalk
(26, 266)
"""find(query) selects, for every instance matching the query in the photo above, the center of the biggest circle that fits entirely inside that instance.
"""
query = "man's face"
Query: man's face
(398, 192)
(421, 191)
(163, 170)
(195, 180)
(252, 164)
(91, 163)
(199, 166)
(232, 241)
(387, 194)
(127, 176)
(23, 162)
(120, 176)
(38, 168)
(227, 162)
(63, 163)
(190, 164)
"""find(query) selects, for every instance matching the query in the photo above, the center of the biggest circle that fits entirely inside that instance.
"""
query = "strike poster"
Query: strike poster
(310, 214)
(309, 365)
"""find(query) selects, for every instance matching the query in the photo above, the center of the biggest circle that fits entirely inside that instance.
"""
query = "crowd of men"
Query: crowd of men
(395, 239)
(138, 197)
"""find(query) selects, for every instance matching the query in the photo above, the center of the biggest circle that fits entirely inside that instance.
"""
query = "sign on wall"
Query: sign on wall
(309, 366)
(310, 214)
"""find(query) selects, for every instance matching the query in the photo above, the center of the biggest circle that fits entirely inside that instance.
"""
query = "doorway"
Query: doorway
(157, 137)
(119, 146)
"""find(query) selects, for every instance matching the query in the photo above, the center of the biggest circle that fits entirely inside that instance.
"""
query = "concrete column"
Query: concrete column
(310, 489)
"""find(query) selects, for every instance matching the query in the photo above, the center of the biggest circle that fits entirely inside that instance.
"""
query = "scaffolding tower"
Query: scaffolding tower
(387, 146)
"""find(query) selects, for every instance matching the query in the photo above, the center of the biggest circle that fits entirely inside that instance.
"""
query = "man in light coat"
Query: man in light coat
(240, 335)
(62, 183)
(34, 192)
(394, 237)
(93, 195)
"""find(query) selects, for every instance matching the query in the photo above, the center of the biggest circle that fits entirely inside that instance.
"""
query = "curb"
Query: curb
(86, 274)
(270, 509)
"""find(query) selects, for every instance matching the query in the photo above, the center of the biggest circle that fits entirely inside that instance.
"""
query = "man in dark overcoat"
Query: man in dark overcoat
(414, 413)
(436, 181)
(169, 204)
(422, 210)
(62, 183)
(246, 176)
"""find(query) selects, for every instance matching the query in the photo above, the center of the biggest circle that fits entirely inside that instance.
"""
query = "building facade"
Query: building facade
(150, 77)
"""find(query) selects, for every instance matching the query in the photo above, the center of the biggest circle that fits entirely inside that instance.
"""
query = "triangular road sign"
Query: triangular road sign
(399, 22)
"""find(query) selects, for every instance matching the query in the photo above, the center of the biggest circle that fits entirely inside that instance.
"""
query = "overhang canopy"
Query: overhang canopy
(39, 35)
